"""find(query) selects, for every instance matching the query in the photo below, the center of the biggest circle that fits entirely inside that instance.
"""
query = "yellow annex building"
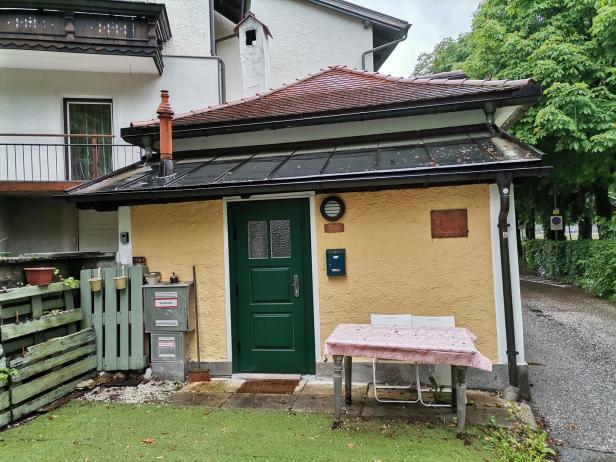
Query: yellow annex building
(342, 195)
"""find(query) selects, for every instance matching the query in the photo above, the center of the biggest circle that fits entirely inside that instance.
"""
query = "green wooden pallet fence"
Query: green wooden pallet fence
(45, 351)
(117, 318)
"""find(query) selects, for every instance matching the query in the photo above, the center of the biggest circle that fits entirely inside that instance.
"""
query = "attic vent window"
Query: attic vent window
(251, 36)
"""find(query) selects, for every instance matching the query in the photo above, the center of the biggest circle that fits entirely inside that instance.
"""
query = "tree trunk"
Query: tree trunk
(530, 225)
(603, 204)
(585, 228)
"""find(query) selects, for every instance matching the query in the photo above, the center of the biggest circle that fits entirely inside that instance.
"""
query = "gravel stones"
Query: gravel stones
(570, 342)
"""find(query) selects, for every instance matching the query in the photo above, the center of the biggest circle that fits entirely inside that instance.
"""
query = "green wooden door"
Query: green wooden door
(271, 287)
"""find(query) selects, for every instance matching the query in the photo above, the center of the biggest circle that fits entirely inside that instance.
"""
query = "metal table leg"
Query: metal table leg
(348, 373)
(454, 379)
(461, 398)
(337, 387)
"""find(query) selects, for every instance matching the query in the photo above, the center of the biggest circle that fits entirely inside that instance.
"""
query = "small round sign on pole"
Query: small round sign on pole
(556, 223)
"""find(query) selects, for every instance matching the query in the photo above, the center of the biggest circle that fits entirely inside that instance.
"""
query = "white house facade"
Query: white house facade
(73, 73)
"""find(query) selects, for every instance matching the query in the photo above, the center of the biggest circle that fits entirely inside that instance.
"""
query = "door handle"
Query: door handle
(295, 285)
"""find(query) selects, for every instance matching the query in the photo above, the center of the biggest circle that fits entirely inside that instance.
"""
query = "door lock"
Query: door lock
(295, 285)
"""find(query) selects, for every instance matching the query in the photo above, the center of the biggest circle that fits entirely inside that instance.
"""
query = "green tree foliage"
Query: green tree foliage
(448, 55)
(569, 47)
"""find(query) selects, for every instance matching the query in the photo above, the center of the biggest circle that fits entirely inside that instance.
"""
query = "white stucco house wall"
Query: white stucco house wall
(190, 47)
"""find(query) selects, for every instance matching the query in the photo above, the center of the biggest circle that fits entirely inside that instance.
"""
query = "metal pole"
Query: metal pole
(197, 316)
(554, 208)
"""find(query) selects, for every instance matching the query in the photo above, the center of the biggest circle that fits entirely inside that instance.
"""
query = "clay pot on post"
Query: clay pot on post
(96, 283)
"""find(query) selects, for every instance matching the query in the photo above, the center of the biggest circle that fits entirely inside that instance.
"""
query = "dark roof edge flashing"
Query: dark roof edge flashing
(423, 179)
(520, 97)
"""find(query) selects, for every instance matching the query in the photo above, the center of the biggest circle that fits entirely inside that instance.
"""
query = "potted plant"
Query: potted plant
(121, 281)
(39, 276)
(67, 282)
(96, 283)
(153, 277)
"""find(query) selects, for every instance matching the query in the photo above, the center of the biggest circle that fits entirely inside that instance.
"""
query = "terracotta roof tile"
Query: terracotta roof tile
(337, 89)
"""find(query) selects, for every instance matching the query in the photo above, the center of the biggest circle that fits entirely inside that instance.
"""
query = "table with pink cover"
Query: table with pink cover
(419, 345)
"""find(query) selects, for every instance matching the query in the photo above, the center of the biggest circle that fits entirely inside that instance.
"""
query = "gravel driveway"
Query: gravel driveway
(571, 349)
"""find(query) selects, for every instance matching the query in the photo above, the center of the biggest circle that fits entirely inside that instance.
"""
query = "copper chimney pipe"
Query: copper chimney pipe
(165, 115)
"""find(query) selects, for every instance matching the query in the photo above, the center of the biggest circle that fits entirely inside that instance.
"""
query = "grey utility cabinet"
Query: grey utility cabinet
(169, 307)
(169, 311)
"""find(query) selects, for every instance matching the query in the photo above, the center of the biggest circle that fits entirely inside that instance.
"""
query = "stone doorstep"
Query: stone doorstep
(317, 396)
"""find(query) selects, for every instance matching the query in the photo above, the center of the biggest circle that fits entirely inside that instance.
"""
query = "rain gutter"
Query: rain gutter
(385, 45)
(525, 96)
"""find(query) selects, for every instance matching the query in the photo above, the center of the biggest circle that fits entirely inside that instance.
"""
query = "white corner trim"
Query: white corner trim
(313, 250)
(315, 278)
(225, 229)
(125, 251)
(515, 278)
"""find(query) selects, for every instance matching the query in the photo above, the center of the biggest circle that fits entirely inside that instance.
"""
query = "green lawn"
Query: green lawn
(118, 432)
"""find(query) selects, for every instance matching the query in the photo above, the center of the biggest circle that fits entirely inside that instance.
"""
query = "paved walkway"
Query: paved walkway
(571, 349)
(316, 396)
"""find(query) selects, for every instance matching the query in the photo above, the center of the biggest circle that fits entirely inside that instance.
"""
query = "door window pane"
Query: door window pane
(90, 157)
(257, 239)
(280, 234)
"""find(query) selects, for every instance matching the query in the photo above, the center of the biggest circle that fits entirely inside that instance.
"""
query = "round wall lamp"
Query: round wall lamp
(332, 208)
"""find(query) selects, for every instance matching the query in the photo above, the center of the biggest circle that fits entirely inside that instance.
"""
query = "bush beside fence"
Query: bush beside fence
(590, 264)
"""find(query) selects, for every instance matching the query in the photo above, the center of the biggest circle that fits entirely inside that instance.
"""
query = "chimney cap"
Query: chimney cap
(248, 15)
(164, 109)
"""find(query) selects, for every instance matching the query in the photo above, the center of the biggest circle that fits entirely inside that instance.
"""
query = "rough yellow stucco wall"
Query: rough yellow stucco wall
(173, 238)
(393, 264)
(395, 267)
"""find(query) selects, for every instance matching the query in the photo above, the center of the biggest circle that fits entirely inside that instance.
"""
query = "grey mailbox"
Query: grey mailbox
(169, 307)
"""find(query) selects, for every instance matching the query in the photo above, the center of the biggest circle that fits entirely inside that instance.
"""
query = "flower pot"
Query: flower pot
(152, 277)
(39, 276)
(96, 284)
(120, 282)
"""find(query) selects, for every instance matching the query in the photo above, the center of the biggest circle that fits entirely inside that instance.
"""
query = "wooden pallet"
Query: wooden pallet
(43, 346)
(117, 318)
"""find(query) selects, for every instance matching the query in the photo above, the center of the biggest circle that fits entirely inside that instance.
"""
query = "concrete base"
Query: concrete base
(401, 373)
(217, 368)
(169, 370)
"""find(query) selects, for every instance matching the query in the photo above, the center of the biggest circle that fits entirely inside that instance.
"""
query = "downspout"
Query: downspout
(221, 63)
(385, 45)
(504, 190)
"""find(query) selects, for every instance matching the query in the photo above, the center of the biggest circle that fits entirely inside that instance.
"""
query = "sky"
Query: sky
(432, 21)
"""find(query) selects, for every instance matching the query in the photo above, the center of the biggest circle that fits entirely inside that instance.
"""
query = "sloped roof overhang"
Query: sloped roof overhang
(430, 158)
(523, 97)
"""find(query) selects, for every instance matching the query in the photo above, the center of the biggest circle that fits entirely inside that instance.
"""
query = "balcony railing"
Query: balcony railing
(76, 158)
(128, 29)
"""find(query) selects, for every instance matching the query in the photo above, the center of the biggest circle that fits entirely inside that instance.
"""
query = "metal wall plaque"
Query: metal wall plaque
(449, 223)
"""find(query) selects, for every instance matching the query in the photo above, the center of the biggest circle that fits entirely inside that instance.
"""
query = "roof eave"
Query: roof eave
(523, 97)
(475, 174)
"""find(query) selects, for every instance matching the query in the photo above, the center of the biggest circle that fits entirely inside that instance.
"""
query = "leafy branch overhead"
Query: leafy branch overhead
(569, 47)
